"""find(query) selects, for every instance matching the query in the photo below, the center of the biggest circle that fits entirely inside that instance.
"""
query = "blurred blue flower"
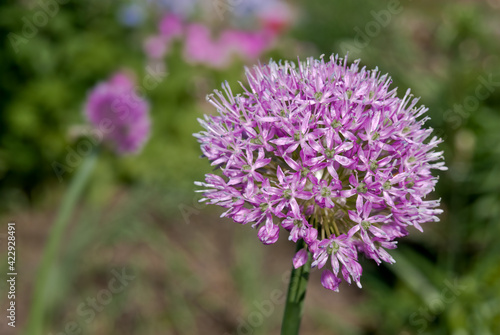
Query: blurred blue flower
(248, 8)
(131, 15)
(184, 8)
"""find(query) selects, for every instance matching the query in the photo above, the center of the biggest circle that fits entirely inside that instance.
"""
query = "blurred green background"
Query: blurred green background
(193, 272)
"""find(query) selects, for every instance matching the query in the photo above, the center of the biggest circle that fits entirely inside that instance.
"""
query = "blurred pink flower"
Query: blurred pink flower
(171, 26)
(156, 47)
(201, 48)
(247, 45)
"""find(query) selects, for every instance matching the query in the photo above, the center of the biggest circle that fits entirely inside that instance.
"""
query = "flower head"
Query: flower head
(119, 114)
(328, 152)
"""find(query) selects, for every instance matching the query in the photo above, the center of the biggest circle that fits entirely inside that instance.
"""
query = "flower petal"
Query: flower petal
(300, 258)
(330, 281)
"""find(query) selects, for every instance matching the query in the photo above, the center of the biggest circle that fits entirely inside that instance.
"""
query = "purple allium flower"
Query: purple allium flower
(119, 114)
(328, 152)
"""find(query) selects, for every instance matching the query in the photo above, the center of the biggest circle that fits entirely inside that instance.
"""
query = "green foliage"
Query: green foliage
(444, 50)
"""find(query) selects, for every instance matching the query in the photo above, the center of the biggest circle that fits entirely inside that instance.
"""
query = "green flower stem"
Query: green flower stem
(296, 296)
(35, 321)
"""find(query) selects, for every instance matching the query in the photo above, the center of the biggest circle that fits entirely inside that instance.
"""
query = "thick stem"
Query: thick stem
(296, 296)
(35, 321)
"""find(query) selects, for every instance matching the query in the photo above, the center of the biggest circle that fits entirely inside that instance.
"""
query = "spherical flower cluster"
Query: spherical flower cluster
(328, 152)
(119, 115)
